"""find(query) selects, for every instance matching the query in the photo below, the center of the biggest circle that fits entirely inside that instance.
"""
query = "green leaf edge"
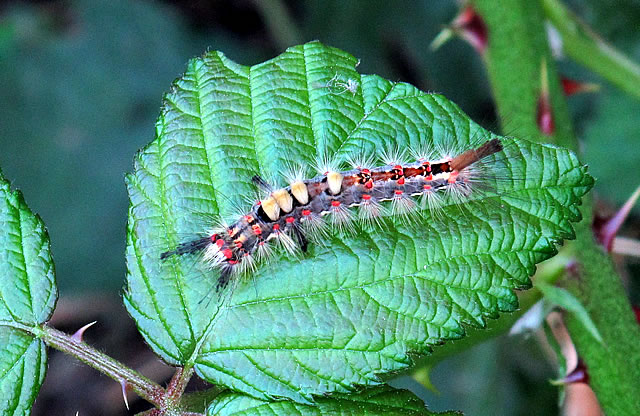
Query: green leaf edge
(375, 401)
(27, 352)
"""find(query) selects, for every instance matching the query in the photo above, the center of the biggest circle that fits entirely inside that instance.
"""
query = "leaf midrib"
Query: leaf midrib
(376, 282)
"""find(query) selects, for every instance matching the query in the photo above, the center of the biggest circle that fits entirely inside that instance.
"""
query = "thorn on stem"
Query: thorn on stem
(571, 86)
(544, 113)
(626, 246)
(124, 386)
(578, 375)
(77, 336)
(468, 25)
(606, 230)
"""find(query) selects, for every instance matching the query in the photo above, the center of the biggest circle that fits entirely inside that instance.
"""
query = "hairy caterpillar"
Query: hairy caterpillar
(335, 198)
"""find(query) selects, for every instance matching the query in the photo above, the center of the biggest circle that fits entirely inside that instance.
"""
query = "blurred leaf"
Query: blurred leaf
(422, 375)
(27, 297)
(566, 300)
(351, 310)
(80, 88)
(582, 44)
(380, 401)
(611, 137)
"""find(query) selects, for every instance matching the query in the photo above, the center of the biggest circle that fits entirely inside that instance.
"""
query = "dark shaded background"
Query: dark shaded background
(81, 83)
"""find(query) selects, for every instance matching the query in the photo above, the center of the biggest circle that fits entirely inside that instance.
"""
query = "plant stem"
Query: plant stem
(281, 26)
(517, 46)
(145, 388)
(177, 385)
(584, 46)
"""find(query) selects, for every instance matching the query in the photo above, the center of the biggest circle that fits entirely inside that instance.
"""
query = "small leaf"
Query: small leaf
(381, 401)
(566, 300)
(27, 297)
(353, 308)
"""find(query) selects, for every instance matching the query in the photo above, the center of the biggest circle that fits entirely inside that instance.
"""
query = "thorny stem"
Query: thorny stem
(517, 45)
(281, 26)
(145, 388)
(177, 385)
(580, 43)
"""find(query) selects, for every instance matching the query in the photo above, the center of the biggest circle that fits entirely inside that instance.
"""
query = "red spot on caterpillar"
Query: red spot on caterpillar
(366, 197)
(238, 244)
(401, 181)
(306, 212)
(335, 203)
(276, 227)
(430, 177)
(398, 192)
(214, 238)
(290, 220)
(219, 242)
(227, 253)
(233, 262)
(367, 171)
(426, 187)
(256, 229)
(397, 172)
(368, 185)
(248, 218)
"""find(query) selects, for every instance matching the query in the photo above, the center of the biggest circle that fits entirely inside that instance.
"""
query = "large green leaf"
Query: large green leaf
(27, 297)
(352, 309)
(378, 401)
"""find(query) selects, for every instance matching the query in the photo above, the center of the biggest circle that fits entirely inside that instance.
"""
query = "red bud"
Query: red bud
(468, 25)
(571, 86)
(544, 113)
